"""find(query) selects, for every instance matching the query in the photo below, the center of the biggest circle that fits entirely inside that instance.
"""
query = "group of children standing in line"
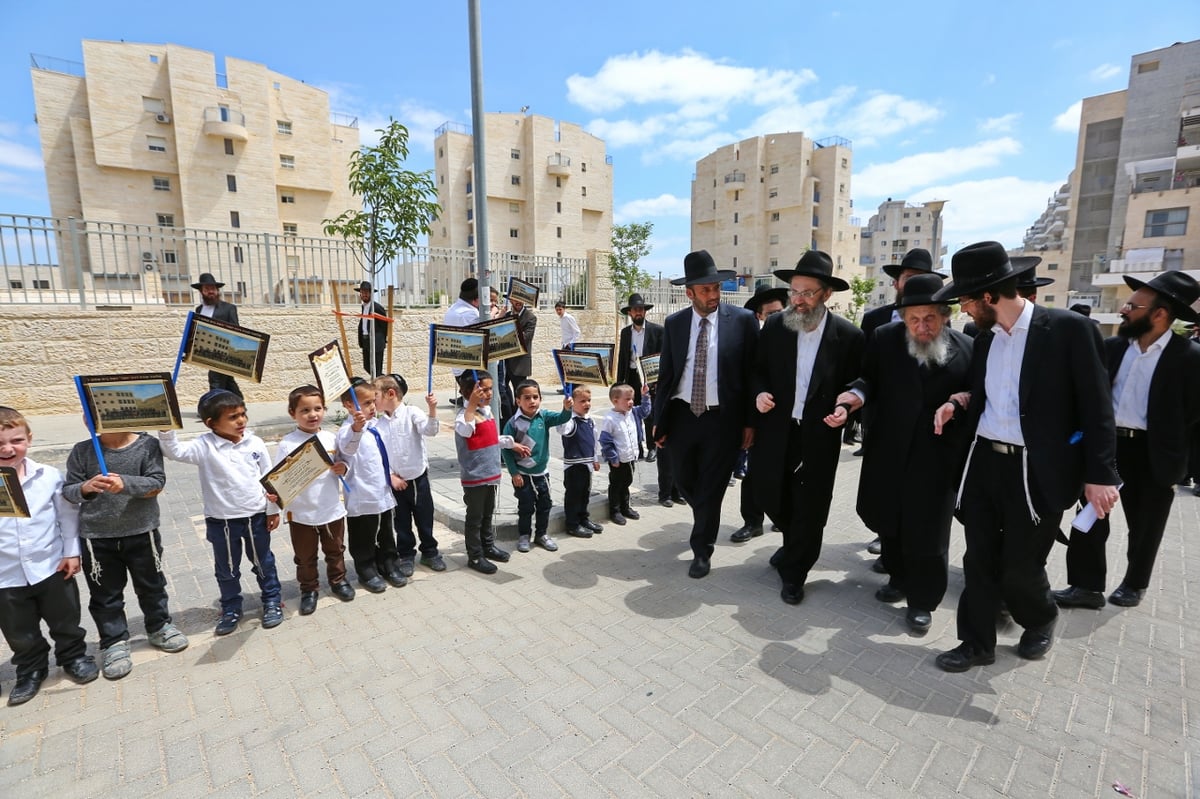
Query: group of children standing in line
(370, 501)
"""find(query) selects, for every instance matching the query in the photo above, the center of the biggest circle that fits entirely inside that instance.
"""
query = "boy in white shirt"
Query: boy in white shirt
(619, 447)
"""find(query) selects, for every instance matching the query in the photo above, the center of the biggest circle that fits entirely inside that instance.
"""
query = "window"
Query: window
(918, 230)
(583, 166)
(275, 85)
(1147, 66)
(558, 208)
(229, 147)
(773, 238)
(558, 183)
(468, 187)
(1051, 267)
(231, 182)
(291, 229)
(156, 144)
(514, 208)
(774, 216)
(153, 105)
(735, 262)
(153, 59)
(734, 239)
(845, 163)
(441, 152)
(906, 214)
(735, 217)
(165, 220)
(283, 127)
(441, 180)
(1049, 298)
(917, 214)
(515, 180)
(513, 233)
(470, 239)
(515, 154)
(287, 198)
(584, 190)
(235, 219)
(774, 169)
(293, 264)
(162, 184)
(558, 232)
(238, 256)
(774, 262)
(287, 161)
(1169, 222)
(224, 111)
(905, 228)
(772, 193)
(170, 257)
(737, 195)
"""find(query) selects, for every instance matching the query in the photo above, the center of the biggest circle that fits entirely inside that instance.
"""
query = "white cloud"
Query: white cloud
(1068, 121)
(884, 114)
(1001, 124)
(900, 177)
(1104, 72)
(420, 120)
(628, 132)
(687, 149)
(996, 209)
(15, 155)
(662, 205)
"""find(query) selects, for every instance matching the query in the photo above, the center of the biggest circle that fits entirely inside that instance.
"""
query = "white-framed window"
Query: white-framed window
(287, 198)
(283, 127)
(165, 220)
(153, 105)
(156, 144)
(291, 229)
(287, 161)
(162, 184)
(1166, 222)
(170, 257)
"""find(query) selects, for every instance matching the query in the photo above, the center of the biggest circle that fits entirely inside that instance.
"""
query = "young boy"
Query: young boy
(370, 502)
(478, 443)
(38, 558)
(619, 446)
(317, 517)
(581, 457)
(530, 477)
(404, 430)
(118, 522)
(237, 516)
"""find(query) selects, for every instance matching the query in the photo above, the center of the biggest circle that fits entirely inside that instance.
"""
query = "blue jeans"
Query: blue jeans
(534, 495)
(228, 538)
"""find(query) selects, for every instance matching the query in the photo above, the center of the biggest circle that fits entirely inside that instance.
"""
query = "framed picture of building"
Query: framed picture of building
(12, 497)
(329, 366)
(584, 368)
(504, 337)
(225, 348)
(292, 475)
(649, 366)
(463, 347)
(523, 292)
(122, 403)
(605, 351)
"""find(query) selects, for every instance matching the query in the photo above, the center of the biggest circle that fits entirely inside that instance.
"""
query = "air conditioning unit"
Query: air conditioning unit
(163, 118)
(147, 256)
(148, 266)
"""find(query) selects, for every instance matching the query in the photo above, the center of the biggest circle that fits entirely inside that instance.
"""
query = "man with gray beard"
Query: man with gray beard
(909, 474)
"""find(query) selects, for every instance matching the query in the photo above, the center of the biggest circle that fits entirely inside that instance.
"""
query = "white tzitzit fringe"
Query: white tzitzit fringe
(228, 548)
(253, 549)
(157, 553)
(966, 468)
(1025, 483)
(93, 572)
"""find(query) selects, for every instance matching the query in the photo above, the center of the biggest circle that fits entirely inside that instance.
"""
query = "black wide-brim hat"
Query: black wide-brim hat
(1029, 280)
(206, 279)
(814, 263)
(636, 301)
(916, 258)
(1179, 289)
(364, 286)
(765, 294)
(920, 290)
(699, 267)
(980, 266)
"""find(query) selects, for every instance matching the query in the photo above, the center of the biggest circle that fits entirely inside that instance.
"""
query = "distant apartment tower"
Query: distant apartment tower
(759, 204)
(1049, 238)
(152, 138)
(897, 227)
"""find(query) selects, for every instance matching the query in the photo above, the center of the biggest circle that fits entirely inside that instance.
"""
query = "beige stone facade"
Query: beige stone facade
(1049, 238)
(897, 227)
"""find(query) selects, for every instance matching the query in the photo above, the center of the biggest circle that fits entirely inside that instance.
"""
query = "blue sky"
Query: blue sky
(964, 102)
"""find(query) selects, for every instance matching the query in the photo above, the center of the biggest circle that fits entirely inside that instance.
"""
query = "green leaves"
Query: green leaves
(630, 243)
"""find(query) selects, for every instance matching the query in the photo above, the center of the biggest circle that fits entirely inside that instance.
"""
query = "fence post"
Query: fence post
(267, 261)
(73, 234)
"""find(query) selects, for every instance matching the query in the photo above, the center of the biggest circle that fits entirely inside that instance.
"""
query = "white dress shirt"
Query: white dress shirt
(1001, 419)
(229, 472)
(31, 549)
(370, 486)
(807, 344)
(207, 310)
(321, 502)
(570, 330)
(684, 391)
(404, 433)
(1131, 388)
(364, 322)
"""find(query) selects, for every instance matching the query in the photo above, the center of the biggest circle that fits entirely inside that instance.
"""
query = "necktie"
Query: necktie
(700, 371)
(387, 469)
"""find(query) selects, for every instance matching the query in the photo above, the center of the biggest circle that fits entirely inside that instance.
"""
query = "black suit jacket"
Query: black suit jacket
(737, 335)
(651, 343)
(1064, 389)
(381, 328)
(522, 365)
(224, 312)
(876, 318)
(1173, 407)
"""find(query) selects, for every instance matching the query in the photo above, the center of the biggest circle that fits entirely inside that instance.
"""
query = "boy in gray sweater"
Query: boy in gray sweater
(118, 522)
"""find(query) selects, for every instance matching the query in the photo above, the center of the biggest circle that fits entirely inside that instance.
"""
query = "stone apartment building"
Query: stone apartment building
(894, 229)
(1049, 238)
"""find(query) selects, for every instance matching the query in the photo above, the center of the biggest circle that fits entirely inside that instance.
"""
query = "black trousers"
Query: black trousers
(372, 544)
(480, 503)
(809, 484)
(917, 561)
(1147, 508)
(415, 504)
(752, 512)
(108, 564)
(22, 611)
(533, 505)
(373, 369)
(620, 478)
(702, 452)
(577, 490)
(1006, 549)
(666, 475)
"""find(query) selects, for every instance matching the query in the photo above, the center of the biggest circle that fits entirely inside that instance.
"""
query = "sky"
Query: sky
(976, 104)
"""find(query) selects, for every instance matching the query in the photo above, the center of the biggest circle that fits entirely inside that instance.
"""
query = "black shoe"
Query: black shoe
(374, 584)
(483, 566)
(889, 594)
(775, 528)
(228, 622)
(739, 474)
(630, 513)
(1127, 597)
(546, 542)
(963, 657)
(776, 558)
(1072, 597)
(1036, 642)
(667, 503)
(434, 562)
(792, 593)
(678, 499)
(395, 578)
(579, 531)
(27, 687)
(652, 456)
(406, 566)
(495, 553)
(591, 525)
(878, 566)
(875, 547)
(744, 534)
(614, 516)
(919, 621)
(343, 591)
(272, 615)
(82, 670)
(308, 603)
(857, 453)
(699, 568)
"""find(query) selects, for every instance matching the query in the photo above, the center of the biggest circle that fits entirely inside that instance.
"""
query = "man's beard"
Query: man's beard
(986, 318)
(802, 321)
(1134, 328)
(933, 353)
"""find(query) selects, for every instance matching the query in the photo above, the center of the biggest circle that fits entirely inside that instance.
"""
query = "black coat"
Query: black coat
(876, 318)
(652, 344)
(381, 328)
(522, 365)
(224, 312)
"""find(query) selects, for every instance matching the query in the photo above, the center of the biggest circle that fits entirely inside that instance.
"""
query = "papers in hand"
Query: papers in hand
(1087, 517)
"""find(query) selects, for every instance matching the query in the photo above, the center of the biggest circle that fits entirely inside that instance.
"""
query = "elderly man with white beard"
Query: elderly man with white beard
(909, 474)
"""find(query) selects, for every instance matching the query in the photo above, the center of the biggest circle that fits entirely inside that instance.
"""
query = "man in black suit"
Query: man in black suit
(909, 475)
(519, 367)
(806, 357)
(1040, 412)
(372, 331)
(702, 408)
(1155, 378)
(638, 339)
(1028, 284)
(213, 307)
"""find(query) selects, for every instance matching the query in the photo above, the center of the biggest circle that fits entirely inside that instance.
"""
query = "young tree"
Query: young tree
(397, 205)
(629, 245)
(860, 289)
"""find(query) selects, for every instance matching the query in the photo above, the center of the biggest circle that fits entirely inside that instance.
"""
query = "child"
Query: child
(370, 501)
(404, 431)
(38, 558)
(317, 516)
(118, 521)
(478, 443)
(618, 443)
(530, 478)
(581, 457)
(237, 516)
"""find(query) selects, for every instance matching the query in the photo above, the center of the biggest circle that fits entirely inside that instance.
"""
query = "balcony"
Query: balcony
(558, 165)
(225, 123)
(735, 181)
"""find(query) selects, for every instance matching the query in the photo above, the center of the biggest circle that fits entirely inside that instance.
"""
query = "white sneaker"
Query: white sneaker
(168, 639)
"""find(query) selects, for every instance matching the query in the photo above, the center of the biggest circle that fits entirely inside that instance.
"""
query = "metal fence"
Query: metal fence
(50, 260)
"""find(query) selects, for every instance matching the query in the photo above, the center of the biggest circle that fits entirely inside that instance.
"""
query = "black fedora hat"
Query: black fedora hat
(636, 301)
(920, 289)
(206, 279)
(1179, 289)
(699, 267)
(1029, 280)
(765, 294)
(364, 286)
(977, 267)
(1082, 308)
(814, 263)
(916, 258)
